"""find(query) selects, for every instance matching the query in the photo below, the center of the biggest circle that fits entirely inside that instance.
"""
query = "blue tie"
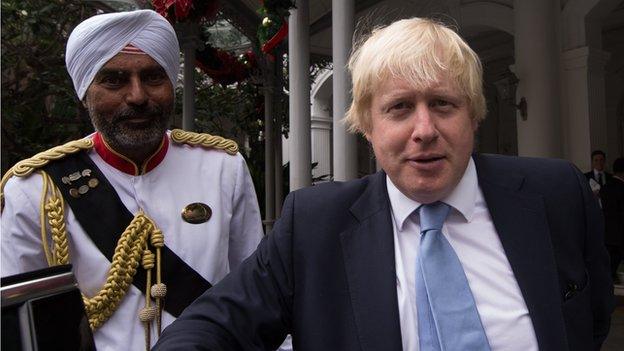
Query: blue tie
(447, 316)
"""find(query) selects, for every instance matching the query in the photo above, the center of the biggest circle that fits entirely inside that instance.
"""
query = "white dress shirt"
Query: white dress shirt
(470, 231)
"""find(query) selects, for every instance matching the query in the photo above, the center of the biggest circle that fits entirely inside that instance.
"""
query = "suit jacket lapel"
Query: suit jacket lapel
(368, 251)
(521, 223)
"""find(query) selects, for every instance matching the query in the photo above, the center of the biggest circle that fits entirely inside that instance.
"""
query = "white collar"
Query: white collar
(462, 198)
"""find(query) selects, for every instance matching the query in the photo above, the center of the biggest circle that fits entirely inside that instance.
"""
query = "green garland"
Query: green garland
(274, 14)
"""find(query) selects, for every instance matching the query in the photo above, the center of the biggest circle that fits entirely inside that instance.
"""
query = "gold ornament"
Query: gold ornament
(197, 212)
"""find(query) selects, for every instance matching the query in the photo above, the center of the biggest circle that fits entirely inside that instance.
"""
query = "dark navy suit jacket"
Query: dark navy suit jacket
(590, 175)
(326, 274)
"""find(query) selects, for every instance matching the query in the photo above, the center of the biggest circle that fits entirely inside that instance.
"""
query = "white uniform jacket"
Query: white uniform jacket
(177, 175)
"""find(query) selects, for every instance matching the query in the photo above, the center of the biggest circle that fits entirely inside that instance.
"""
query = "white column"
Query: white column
(584, 109)
(279, 178)
(188, 36)
(345, 143)
(321, 142)
(188, 100)
(299, 98)
(269, 153)
(537, 68)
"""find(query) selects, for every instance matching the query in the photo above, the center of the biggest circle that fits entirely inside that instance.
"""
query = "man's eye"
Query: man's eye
(155, 77)
(112, 80)
(442, 104)
(399, 106)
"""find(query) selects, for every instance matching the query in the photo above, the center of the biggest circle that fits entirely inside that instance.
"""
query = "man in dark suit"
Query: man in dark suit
(612, 196)
(442, 250)
(598, 173)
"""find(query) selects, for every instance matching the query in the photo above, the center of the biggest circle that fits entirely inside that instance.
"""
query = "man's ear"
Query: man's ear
(475, 124)
(366, 133)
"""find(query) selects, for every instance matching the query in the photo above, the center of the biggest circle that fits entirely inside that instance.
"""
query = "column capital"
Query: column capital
(320, 122)
(585, 56)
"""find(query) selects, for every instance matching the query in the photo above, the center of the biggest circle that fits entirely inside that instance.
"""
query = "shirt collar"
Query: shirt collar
(462, 198)
(124, 164)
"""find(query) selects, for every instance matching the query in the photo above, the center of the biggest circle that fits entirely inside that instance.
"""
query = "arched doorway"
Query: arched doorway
(498, 132)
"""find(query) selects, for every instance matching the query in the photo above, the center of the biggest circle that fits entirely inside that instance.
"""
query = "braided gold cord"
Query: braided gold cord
(206, 140)
(147, 314)
(56, 219)
(126, 259)
(159, 290)
(131, 249)
(46, 181)
(148, 337)
(25, 167)
(148, 259)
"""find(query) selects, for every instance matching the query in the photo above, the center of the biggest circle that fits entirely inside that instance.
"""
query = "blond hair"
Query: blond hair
(420, 51)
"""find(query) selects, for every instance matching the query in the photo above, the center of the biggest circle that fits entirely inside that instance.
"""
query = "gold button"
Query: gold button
(196, 213)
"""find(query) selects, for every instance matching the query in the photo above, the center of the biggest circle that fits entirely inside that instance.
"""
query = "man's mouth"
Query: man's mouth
(431, 163)
(427, 158)
(137, 122)
(137, 119)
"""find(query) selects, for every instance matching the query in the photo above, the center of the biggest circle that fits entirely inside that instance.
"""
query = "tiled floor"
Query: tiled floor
(615, 340)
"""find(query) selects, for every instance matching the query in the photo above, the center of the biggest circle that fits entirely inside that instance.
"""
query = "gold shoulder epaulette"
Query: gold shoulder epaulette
(25, 167)
(205, 140)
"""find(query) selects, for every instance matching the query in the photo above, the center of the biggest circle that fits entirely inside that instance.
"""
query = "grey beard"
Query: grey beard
(122, 136)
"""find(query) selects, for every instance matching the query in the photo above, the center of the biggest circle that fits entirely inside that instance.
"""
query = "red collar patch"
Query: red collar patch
(123, 163)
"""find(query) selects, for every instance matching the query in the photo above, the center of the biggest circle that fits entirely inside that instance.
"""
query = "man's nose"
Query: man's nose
(425, 129)
(136, 94)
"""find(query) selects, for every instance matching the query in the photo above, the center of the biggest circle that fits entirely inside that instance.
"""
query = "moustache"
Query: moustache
(129, 113)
